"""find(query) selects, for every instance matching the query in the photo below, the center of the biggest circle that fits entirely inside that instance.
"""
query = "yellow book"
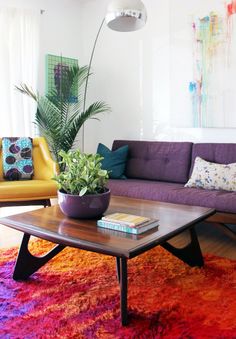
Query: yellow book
(130, 220)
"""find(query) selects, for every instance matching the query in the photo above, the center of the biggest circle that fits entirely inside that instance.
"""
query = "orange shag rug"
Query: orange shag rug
(76, 295)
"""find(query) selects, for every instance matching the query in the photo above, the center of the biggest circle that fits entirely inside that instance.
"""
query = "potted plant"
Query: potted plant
(82, 189)
(62, 112)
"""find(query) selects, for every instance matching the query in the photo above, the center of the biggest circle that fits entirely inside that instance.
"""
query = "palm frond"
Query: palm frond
(75, 123)
(59, 116)
(24, 89)
(94, 109)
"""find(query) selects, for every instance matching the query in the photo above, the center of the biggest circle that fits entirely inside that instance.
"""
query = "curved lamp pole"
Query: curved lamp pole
(121, 16)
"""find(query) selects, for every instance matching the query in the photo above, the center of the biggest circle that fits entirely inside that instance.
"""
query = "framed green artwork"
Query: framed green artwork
(56, 71)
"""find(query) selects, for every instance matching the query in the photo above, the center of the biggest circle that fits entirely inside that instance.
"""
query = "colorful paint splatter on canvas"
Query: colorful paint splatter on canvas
(211, 53)
(231, 8)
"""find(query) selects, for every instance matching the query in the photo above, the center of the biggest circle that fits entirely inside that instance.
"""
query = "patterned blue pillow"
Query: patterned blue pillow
(17, 158)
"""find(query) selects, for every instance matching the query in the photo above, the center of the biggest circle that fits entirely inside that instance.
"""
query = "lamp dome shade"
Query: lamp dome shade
(126, 15)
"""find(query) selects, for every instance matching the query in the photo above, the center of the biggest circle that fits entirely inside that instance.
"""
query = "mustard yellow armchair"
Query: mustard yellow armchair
(37, 191)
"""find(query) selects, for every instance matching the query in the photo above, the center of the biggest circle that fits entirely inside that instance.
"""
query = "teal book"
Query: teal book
(146, 226)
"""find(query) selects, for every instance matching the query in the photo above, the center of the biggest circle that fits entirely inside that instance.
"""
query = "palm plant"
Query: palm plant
(60, 114)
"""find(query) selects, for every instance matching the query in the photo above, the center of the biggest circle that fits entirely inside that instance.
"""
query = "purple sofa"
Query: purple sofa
(158, 171)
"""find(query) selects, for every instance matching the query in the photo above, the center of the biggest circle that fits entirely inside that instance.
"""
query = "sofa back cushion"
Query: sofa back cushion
(157, 160)
(220, 153)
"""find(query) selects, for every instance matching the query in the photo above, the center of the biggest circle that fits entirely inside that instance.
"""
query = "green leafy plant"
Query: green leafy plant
(59, 118)
(82, 174)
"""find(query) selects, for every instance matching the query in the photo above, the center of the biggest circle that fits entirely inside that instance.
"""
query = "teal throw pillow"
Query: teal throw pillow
(114, 161)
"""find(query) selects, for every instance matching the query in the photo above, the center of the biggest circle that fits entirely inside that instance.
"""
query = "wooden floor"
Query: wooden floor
(212, 240)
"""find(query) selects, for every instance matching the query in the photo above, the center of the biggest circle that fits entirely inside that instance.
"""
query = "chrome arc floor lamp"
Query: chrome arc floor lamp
(121, 16)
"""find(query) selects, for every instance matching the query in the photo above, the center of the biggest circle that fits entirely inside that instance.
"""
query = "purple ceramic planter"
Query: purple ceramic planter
(85, 207)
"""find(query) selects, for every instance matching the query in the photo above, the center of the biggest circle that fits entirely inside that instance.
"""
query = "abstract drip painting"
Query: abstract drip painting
(214, 67)
(56, 70)
(202, 64)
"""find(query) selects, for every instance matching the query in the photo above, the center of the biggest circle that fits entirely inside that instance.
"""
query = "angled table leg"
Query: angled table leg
(190, 254)
(27, 264)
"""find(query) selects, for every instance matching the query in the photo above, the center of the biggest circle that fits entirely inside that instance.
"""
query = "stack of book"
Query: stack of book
(129, 223)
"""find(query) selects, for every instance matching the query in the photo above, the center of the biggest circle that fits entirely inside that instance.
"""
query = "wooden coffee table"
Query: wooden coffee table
(51, 224)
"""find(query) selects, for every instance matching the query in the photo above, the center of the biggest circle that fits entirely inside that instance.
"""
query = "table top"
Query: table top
(51, 224)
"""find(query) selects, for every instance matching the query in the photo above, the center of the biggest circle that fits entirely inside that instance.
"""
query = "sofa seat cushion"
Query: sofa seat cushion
(27, 190)
(143, 189)
(222, 201)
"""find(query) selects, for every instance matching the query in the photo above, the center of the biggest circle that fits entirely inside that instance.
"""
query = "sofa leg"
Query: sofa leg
(190, 254)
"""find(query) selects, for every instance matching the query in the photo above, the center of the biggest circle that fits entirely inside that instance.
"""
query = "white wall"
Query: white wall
(134, 73)
(60, 29)
(127, 70)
